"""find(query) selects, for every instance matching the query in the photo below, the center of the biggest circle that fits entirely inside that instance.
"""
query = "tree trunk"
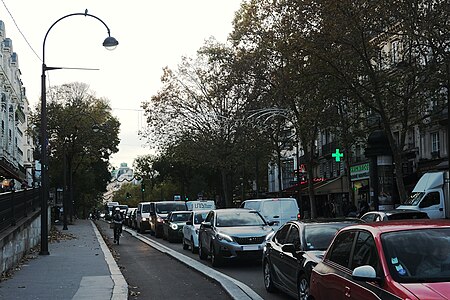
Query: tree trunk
(347, 173)
(228, 201)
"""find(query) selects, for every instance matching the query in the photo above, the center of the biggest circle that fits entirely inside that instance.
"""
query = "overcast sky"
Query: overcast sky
(151, 34)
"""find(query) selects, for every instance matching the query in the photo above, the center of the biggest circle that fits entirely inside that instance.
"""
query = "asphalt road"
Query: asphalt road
(151, 274)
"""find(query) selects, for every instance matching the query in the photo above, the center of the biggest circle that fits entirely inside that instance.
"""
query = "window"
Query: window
(341, 248)
(435, 142)
(365, 252)
(430, 199)
(369, 217)
(294, 237)
(395, 52)
(281, 234)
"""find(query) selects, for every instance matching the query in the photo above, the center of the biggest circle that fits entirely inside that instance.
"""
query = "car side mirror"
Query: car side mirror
(206, 224)
(271, 223)
(365, 273)
(189, 223)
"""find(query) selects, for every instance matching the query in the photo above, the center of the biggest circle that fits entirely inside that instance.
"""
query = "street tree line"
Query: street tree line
(82, 136)
(330, 65)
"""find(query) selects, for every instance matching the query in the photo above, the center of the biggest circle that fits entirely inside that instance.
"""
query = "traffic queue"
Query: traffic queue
(396, 254)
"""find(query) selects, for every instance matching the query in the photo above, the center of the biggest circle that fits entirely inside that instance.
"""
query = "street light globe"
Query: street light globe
(110, 43)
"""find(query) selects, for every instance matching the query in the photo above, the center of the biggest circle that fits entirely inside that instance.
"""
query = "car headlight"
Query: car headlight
(159, 220)
(174, 226)
(221, 236)
(144, 219)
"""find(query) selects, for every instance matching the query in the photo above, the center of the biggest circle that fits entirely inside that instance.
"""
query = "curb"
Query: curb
(120, 289)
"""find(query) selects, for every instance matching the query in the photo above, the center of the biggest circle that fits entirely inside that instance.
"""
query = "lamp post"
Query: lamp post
(109, 43)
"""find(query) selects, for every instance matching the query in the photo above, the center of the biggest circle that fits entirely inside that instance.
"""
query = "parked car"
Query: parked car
(276, 210)
(173, 225)
(158, 214)
(143, 217)
(296, 248)
(404, 259)
(127, 220)
(394, 214)
(232, 233)
(190, 230)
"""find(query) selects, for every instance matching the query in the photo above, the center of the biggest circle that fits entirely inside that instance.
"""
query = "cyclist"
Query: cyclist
(117, 220)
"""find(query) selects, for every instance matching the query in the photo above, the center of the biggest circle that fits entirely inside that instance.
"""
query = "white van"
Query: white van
(143, 217)
(277, 210)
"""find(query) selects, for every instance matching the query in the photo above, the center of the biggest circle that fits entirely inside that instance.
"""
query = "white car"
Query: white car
(190, 230)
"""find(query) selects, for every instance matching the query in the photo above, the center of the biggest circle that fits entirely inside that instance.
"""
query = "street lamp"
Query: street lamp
(109, 43)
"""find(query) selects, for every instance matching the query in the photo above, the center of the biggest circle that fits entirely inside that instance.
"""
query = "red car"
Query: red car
(405, 259)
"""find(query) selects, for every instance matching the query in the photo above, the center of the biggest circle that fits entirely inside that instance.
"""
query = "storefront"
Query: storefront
(359, 176)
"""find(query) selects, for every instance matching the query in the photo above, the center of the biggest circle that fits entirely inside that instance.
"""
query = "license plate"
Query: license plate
(250, 247)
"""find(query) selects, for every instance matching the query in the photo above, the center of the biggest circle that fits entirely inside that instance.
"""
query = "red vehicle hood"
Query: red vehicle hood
(429, 291)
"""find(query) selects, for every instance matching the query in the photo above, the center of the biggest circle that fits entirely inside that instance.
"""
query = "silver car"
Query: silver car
(232, 233)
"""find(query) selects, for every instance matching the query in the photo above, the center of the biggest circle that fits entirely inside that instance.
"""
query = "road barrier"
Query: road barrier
(15, 205)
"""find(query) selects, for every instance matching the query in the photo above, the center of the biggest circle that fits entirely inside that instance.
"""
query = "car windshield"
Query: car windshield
(200, 217)
(418, 255)
(319, 236)
(278, 207)
(164, 208)
(146, 208)
(414, 198)
(180, 217)
(235, 219)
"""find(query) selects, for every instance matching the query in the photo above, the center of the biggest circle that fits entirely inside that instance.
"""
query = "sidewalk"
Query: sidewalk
(78, 268)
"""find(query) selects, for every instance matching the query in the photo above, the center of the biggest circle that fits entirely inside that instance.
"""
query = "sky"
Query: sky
(151, 34)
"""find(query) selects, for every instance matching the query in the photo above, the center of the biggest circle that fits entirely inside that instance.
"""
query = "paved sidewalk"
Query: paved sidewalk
(79, 268)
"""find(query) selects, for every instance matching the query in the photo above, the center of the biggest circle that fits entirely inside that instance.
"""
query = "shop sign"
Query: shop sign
(359, 172)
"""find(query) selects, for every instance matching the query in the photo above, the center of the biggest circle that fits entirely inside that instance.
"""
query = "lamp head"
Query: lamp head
(110, 43)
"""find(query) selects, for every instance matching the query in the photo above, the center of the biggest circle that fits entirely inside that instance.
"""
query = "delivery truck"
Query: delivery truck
(431, 195)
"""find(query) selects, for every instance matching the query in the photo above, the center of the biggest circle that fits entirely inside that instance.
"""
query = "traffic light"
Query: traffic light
(128, 195)
(142, 186)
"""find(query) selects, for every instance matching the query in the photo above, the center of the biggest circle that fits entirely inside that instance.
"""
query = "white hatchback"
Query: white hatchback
(190, 230)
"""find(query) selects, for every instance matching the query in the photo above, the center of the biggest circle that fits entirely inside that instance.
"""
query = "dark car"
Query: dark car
(158, 214)
(394, 214)
(173, 225)
(402, 259)
(128, 217)
(292, 252)
(232, 233)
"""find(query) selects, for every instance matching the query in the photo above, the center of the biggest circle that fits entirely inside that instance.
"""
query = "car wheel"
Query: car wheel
(185, 245)
(268, 281)
(193, 248)
(303, 287)
(201, 252)
(216, 257)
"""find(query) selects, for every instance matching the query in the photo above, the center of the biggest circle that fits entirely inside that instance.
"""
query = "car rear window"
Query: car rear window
(411, 215)
(180, 217)
(277, 207)
(252, 205)
(235, 219)
(164, 208)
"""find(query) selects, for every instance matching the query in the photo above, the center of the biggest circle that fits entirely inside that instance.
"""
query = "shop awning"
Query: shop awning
(333, 186)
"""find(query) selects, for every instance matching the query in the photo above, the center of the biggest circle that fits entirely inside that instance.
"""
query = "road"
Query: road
(151, 274)
(133, 252)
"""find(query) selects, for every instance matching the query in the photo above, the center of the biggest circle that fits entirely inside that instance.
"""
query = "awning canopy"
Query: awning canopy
(333, 186)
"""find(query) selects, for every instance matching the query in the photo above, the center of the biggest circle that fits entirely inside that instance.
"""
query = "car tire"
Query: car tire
(193, 248)
(303, 287)
(268, 280)
(185, 245)
(201, 251)
(216, 257)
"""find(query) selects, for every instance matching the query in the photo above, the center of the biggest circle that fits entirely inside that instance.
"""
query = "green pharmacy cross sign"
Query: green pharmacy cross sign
(337, 155)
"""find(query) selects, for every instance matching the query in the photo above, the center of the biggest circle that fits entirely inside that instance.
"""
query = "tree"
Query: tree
(200, 106)
(82, 134)
(396, 87)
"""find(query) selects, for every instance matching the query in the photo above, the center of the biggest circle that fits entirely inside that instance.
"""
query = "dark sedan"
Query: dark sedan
(394, 214)
(292, 252)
